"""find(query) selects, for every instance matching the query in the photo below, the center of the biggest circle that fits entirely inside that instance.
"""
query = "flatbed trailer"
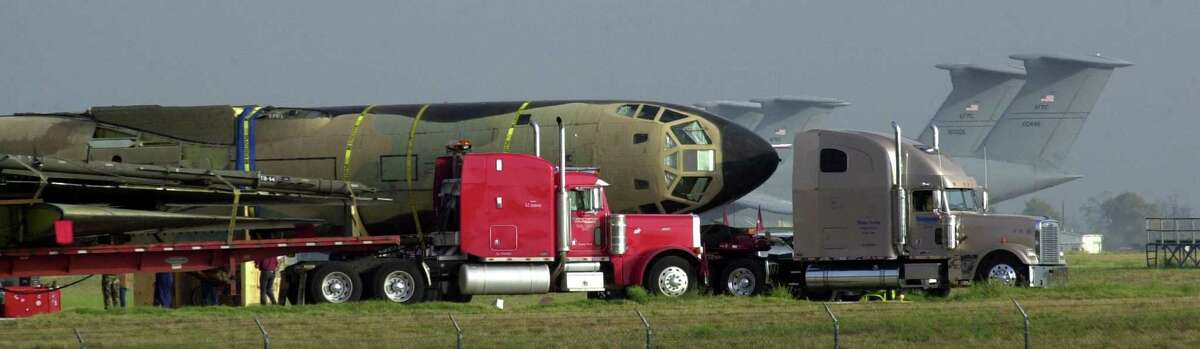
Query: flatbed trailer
(173, 257)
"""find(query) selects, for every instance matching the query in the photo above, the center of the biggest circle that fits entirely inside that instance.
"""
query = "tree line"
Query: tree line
(1120, 217)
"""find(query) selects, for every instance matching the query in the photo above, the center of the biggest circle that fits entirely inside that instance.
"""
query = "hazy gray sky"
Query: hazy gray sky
(879, 55)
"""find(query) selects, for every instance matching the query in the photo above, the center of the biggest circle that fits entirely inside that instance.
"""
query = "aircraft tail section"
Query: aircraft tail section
(745, 114)
(1044, 119)
(979, 97)
(787, 115)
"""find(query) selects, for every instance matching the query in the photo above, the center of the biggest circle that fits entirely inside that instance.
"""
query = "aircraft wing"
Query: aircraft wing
(109, 198)
(150, 186)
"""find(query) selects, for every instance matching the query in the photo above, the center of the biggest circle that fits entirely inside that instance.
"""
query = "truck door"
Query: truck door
(586, 205)
(925, 224)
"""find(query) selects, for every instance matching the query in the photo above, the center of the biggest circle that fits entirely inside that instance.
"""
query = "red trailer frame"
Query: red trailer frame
(171, 257)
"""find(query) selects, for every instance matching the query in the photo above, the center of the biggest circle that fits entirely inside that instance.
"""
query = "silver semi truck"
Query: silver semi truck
(873, 212)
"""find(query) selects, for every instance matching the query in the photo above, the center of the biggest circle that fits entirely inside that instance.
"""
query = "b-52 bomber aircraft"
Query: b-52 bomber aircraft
(657, 157)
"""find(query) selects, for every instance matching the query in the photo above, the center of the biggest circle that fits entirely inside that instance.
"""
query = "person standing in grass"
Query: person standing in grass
(266, 279)
(164, 288)
(122, 287)
(108, 286)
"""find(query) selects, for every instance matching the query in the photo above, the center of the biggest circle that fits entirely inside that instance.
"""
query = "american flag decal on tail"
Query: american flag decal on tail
(973, 107)
(1048, 99)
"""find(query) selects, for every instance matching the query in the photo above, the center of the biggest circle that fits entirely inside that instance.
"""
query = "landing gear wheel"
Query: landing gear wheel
(1004, 270)
(334, 282)
(741, 278)
(400, 282)
(670, 276)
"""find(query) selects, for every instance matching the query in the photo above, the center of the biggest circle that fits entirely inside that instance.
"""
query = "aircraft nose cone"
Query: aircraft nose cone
(748, 162)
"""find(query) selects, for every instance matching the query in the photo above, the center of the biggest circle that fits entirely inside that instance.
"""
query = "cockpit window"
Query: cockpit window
(961, 199)
(691, 188)
(671, 115)
(698, 160)
(691, 133)
(627, 109)
(648, 112)
(669, 143)
(669, 177)
(671, 160)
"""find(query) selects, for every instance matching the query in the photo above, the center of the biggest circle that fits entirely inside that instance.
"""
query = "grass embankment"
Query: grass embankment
(1112, 301)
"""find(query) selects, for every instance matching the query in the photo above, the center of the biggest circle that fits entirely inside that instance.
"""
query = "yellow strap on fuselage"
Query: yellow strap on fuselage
(513, 126)
(409, 171)
(246, 144)
(350, 141)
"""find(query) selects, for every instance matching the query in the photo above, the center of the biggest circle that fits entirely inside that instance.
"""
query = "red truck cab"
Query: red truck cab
(506, 224)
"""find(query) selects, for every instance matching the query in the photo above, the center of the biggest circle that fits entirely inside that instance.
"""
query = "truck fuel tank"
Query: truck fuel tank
(509, 278)
(851, 277)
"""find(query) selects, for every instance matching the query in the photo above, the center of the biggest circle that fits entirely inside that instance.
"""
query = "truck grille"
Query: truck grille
(1048, 243)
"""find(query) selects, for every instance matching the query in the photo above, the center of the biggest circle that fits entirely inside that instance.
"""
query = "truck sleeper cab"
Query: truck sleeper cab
(873, 212)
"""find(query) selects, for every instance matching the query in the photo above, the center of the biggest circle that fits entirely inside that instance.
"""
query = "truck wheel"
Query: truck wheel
(400, 282)
(741, 278)
(670, 276)
(1003, 269)
(334, 282)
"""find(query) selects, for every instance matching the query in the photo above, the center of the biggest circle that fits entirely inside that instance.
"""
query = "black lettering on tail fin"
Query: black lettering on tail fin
(979, 97)
(1044, 119)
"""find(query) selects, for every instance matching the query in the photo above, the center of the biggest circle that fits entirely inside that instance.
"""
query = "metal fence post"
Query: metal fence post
(837, 341)
(1026, 316)
(79, 338)
(459, 330)
(266, 337)
(649, 331)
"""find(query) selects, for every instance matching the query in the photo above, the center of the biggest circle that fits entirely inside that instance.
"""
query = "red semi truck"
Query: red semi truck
(506, 224)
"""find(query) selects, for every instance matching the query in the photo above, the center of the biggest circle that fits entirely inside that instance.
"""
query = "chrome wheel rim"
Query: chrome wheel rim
(1003, 274)
(399, 286)
(337, 287)
(741, 282)
(673, 281)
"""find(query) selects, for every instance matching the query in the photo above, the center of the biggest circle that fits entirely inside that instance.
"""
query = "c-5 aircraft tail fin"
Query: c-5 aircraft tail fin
(745, 114)
(979, 97)
(787, 115)
(1044, 119)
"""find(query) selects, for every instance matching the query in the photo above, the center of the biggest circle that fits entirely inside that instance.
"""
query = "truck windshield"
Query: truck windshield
(961, 199)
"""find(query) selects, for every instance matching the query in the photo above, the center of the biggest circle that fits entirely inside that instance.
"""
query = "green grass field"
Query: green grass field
(1113, 301)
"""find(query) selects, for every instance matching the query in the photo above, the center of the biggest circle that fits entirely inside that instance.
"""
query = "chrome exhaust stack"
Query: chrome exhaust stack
(564, 219)
(537, 138)
(899, 198)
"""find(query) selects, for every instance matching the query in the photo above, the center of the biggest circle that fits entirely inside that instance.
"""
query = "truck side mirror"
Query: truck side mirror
(984, 206)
